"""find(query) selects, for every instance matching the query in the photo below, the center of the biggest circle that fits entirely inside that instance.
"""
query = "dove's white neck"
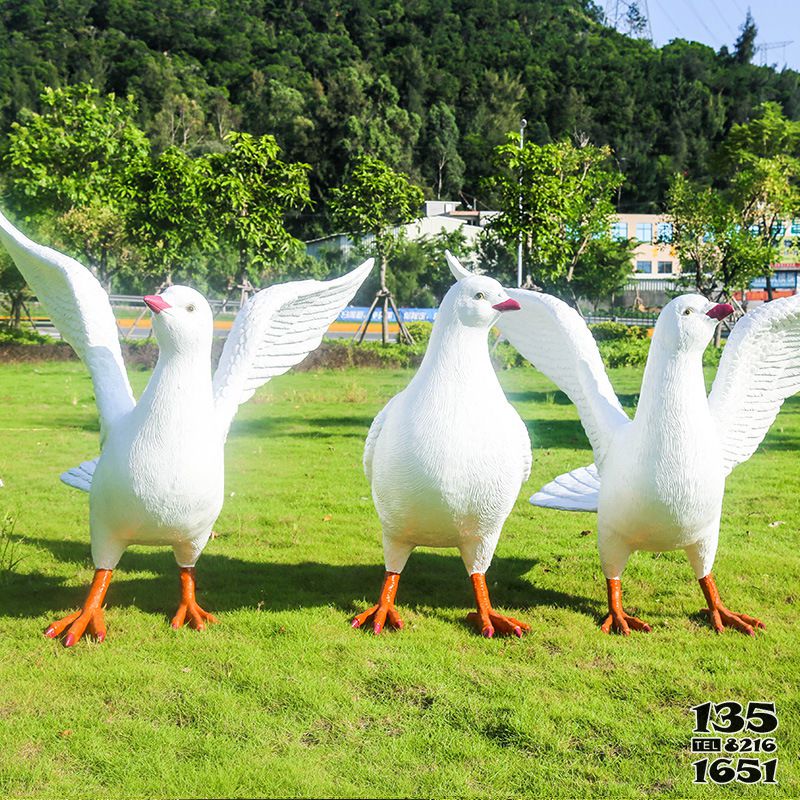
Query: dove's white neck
(181, 381)
(456, 353)
(673, 394)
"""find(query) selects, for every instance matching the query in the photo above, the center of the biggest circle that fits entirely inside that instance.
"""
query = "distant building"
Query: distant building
(438, 216)
(656, 267)
(654, 256)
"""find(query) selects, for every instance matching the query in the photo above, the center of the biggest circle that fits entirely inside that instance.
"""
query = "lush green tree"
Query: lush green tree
(717, 251)
(13, 288)
(372, 202)
(171, 221)
(78, 150)
(248, 191)
(760, 161)
(443, 137)
(557, 199)
(602, 271)
(366, 77)
(72, 164)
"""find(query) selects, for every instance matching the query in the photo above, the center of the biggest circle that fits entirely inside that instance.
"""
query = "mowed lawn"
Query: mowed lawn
(284, 699)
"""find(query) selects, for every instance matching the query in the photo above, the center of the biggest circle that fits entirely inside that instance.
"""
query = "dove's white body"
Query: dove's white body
(160, 476)
(159, 482)
(447, 456)
(660, 478)
(663, 478)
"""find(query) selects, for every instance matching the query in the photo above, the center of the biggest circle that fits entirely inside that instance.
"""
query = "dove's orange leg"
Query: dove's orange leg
(188, 607)
(617, 620)
(90, 616)
(485, 619)
(384, 609)
(720, 617)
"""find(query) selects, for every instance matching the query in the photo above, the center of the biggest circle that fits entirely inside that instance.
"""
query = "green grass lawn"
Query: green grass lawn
(284, 699)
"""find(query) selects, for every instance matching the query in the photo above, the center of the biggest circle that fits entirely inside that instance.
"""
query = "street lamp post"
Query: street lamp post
(523, 124)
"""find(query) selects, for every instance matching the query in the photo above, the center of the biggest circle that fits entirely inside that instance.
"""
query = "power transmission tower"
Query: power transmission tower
(767, 46)
(631, 17)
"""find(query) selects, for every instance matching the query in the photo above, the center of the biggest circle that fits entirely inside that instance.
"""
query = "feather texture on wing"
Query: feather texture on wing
(578, 490)
(759, 369)
(79, 308)
(556, 340)
(276, 329)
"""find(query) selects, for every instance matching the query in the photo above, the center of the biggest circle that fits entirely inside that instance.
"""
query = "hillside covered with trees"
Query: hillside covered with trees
(430, 86)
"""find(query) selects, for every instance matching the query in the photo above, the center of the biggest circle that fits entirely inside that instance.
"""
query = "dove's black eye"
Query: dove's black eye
(190, 307)
(480, 296)
(687, 312)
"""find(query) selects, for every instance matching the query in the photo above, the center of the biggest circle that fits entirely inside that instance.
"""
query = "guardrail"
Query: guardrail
(138, 325)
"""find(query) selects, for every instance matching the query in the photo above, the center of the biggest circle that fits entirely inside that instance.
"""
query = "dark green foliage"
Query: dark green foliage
(416, 84)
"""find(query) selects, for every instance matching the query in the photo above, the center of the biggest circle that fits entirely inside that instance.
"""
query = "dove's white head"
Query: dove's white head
(686, 324)
(476, 301)
(182, 320)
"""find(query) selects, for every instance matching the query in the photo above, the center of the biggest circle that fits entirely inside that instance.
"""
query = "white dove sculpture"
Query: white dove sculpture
(658, 479)
(159, 478)
(446, 456)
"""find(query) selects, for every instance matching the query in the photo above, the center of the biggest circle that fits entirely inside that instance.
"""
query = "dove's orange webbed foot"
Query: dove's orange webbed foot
(90, 617)
(384, 611)
(189, 611)
(486, 619)
(720, 617)
(618, 620)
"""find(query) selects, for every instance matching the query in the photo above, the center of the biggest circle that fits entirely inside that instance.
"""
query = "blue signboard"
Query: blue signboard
(359, 314)
(781, 279)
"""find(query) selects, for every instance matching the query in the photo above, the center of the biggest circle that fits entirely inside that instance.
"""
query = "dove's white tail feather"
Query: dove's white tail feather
(80, 477)
(578, 490)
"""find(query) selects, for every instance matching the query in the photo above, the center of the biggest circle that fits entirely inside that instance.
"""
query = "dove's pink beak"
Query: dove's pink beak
(720, 311)
(155, 303)
(507, 305)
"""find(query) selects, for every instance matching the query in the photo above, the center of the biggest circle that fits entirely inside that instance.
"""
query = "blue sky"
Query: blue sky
(717, 23)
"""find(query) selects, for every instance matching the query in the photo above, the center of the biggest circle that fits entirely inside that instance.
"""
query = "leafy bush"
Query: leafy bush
(420, 331)
(712, 355)
(9, 335)
(611, 331)
(506, 356)
(629, 352)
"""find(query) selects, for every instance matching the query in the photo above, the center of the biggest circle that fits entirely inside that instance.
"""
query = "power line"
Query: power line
(723, 17)
(701, 20)
(739, 8)
(671, 21)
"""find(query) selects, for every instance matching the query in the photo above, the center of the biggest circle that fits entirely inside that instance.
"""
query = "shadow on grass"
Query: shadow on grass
(558, 398)
(314, 427)
(431, 580)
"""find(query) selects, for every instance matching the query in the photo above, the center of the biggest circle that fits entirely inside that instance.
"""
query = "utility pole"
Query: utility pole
(523, 124)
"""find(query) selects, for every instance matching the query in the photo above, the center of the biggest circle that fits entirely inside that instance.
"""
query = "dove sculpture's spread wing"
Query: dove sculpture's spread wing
(276, 329)
(79, 308)
(555, 339)
(759, 369)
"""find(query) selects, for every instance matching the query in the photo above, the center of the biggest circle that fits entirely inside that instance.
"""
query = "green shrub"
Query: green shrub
(420, 331)
(9, 335)
(612, 331)
(712, 355)
(506, 356)
(631, 352)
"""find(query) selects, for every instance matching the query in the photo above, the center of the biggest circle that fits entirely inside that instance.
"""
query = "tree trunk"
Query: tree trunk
(769, 286)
